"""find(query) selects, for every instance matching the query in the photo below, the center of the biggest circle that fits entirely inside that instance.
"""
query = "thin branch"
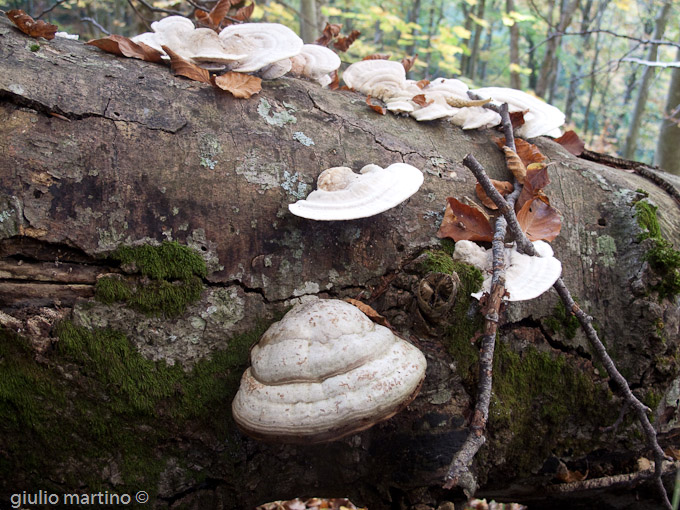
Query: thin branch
(649, 63)
(159, 9)
(97, 25)
(139, 15)
(50, 8)
(524, 245)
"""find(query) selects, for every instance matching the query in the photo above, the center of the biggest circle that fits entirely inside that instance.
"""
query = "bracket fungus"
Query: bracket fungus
(323, 372)
(526, 277)
(541, 117)
(315, 62)
(264, 43)
(342, 194)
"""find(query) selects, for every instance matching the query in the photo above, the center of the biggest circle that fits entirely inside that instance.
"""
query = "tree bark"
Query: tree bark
(98, 152)
(647, 75)
(668, 149)
(309, 30)
(515, 78)
(473, 62)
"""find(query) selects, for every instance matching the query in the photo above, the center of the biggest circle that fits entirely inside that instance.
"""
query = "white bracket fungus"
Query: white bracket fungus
(526, 277)
(345, 195)
(323, 372)
(264, 43)
(315, 62)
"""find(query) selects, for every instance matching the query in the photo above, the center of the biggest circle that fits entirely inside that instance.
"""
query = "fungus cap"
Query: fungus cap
(378, 78)
(264, 43)
(372, 191)
(323, 372)
(526, 277)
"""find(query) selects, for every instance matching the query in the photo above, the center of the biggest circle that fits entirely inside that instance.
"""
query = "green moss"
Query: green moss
(157, 294)
(168, 261)
(562, 321)
(536, 396)
(95, 398)
(466, 320)
(663, 258)
(34, 47)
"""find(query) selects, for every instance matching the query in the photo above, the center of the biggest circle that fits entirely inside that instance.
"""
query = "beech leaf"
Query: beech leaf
(183, 67)
(330, 32)
(528, 152)
(335, 81)
(377, 56)
(422, 84)
(244, 13)
(537, 179)
(381, 110)
(408, 62)
(539, 220)
(421, 101)
(515, 164)
(517, 119)
(571, 141)
(31, 27)
(213, 18)
(464, 222)
(124, 47)
(503, 187)
(369, 312)
(239, 85)
(343, 43)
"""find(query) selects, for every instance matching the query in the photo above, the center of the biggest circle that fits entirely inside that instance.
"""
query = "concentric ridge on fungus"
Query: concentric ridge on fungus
(323, 372)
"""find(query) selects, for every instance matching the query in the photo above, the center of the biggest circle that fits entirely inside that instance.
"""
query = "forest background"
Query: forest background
(613, 67)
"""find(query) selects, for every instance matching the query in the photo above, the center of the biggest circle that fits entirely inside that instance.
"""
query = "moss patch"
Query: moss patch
(663, 258)
(172, 279)
(563, 321)
(94, 399)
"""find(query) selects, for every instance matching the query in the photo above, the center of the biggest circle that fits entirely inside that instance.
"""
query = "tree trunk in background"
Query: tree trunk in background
(471, 70)
(135, 156)
(549, 65)
(309, 31)
(668, 148)
(486, 46)
(575, 81)
(647, 75)
(413, 16)
(515, 79)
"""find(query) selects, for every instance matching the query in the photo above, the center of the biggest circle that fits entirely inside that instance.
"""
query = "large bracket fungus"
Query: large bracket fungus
(323, 372)
(345, 195)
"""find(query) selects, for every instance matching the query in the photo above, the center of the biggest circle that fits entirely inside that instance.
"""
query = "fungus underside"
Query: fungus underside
(86, 404)
(171, 279)
(662, 257)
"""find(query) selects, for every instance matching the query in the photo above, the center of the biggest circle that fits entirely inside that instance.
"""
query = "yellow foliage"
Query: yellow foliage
(462, 32)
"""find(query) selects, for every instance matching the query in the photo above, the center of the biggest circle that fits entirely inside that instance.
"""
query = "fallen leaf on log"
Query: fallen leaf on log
(421, 101)
(124, 47)
(539, 220)
(335, 81)
(31, 27)
(464, 222)
(182, 67)
(515, 164)
(571, 141)
(377, 56)
(527, 152)
(517, 119)
(369, 312)
(422, 84)
(503, 187)
(381, 110)
(239, 85)
(537, 179)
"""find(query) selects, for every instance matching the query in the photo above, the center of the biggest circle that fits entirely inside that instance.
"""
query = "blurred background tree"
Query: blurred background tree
(599, 61)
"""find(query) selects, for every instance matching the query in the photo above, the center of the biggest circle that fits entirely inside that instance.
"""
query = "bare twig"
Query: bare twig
(139, 15)
(524, 245)
(96, 24)
(49, 9)
(650, 63)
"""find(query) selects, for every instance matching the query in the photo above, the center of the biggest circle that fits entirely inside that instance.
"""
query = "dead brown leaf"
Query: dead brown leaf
(539, 220)
(31, 27)
(503, 187)
(421, 101)
(537, 179)
(565, 475)
(343, 43)
(330, 32)
(245, 12)
(183, 67)
(378, 56)
(464, 222)
(422, 84)
(239, 85)
(214, 18)
(527, 152)
(381, 110)
(571, 141)
(370, 312)
(335, 81)
(515, 164)
(408, 62)
(517, 119)
(124, 47)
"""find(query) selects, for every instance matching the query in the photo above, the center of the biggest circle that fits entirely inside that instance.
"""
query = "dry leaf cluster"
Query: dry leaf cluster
(538, 219)
(31, 27)
(224, 13)
(311, 504)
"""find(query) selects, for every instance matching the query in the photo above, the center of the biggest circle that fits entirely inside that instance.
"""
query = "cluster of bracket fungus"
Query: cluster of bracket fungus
(526, 277)
(323, 372)
(342, 194)
(448, 98)
(271, 49)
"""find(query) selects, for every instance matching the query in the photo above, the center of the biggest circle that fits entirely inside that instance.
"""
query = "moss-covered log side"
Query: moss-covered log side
(146, 158)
